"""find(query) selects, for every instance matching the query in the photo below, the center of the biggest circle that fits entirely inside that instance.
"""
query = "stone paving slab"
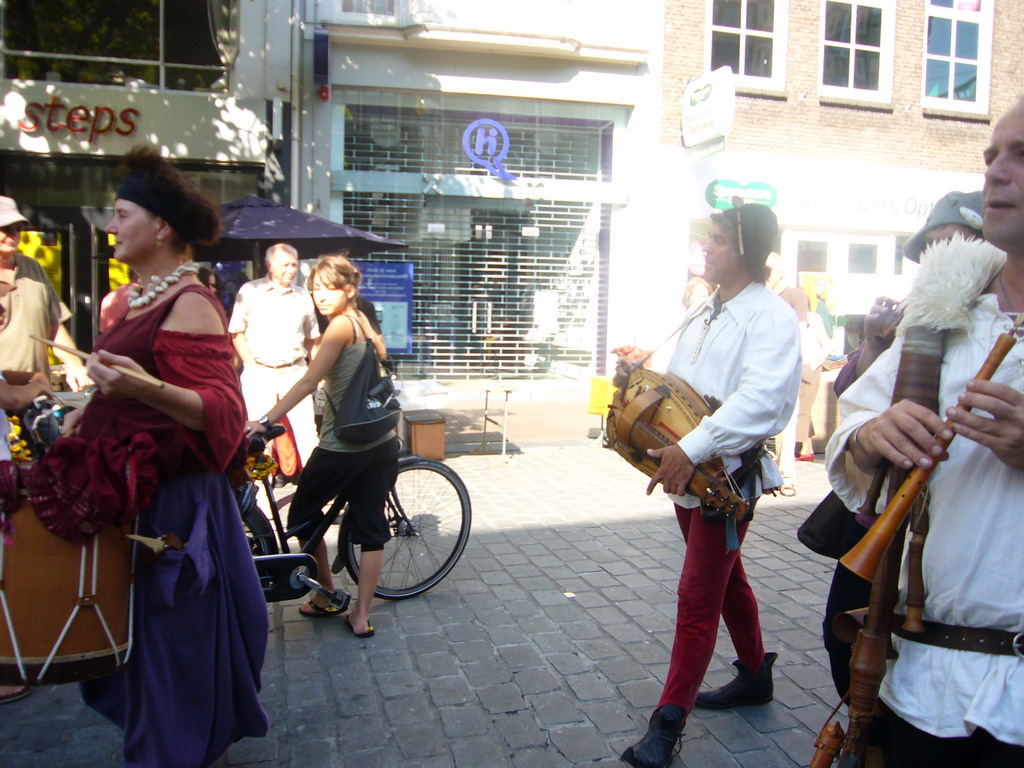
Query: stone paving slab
(546, 646)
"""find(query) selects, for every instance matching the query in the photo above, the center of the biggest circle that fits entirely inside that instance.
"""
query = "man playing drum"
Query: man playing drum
(742, 348)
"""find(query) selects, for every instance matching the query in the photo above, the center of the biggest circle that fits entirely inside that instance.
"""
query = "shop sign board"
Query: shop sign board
(720, 192)
(389, 286)
(58, 116)
(705, 149)
(486, 143)
(709, 105)
(76, 119)
(847, 195)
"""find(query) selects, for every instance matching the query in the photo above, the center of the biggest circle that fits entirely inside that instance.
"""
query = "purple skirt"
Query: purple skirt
(190, 687)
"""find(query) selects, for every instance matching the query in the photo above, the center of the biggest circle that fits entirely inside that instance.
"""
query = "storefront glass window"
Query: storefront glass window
(811, 256)
(863, 258)
(420, 138)
(184, 44)
(69, 202)
(507, 270)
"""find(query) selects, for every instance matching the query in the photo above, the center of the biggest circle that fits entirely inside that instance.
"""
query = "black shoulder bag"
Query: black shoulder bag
(369, 408)
(823, 530)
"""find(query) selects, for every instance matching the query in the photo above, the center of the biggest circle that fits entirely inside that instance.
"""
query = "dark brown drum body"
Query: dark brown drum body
(654, 410)
(65, 609)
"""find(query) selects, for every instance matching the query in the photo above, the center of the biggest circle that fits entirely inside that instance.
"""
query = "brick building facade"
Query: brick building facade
(799, 119)
(851, 118)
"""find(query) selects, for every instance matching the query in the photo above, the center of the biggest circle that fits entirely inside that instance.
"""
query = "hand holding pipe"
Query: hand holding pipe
(864, 558)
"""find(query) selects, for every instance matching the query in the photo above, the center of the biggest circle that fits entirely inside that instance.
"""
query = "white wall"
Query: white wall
(606, 23)
(263, 67)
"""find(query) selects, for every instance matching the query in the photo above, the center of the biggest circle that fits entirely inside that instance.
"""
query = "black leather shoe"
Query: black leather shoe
(661, 742)
(280, 481)
(745, 689)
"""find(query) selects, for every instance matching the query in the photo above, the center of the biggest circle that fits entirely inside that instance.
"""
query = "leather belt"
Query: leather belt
(282, 365)
(1000, 642)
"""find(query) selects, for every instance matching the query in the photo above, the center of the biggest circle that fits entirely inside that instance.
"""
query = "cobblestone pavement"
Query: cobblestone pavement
(546, 646)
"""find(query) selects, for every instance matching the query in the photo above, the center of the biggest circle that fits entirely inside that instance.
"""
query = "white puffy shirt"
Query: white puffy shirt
(973, 562)
(748, 358)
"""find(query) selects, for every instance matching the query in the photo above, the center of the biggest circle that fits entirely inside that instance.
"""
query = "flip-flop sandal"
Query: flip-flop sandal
(361, 635)
(787, 490)
(311, 610)
(15, 693)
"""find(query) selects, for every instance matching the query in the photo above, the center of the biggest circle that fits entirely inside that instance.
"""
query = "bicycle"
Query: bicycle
(428, 511)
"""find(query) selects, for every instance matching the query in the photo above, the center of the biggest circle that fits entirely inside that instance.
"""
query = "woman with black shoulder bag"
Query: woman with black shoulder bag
(362, 472)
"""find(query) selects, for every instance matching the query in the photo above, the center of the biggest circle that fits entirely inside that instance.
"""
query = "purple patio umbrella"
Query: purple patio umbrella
(252, 224)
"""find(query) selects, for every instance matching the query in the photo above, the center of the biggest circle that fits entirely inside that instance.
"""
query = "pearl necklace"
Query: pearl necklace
(157, 285)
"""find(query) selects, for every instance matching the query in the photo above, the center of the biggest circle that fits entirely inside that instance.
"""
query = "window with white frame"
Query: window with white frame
(369, 7)
(174, 44)
(958, 54)
(857, 48)
(749, 37)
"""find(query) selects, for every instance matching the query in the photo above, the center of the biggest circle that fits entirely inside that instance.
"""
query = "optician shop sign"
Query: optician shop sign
(720, 192)
(708, 108)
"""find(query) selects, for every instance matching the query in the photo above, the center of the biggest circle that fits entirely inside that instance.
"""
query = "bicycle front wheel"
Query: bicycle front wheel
(429, 514)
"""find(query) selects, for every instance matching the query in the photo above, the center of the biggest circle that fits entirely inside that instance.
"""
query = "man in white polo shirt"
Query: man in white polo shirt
(273, 327)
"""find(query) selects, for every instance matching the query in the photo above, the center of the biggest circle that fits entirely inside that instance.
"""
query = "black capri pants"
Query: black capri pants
(362, 478)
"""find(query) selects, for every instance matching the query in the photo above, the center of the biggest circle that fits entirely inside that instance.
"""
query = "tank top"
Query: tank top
(336, 384)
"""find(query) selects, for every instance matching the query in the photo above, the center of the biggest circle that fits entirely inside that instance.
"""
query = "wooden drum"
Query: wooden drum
(65, 608)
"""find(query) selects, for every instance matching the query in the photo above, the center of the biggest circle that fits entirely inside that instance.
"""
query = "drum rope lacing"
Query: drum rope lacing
(83, 557)
(8, 620)
(82, 568)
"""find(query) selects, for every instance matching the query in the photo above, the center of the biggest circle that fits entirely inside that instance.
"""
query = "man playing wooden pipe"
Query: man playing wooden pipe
(957, 689)
(741, 346)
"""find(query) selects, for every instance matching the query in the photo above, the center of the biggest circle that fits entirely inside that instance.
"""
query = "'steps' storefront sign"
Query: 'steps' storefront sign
(82, 119)
(58, 116)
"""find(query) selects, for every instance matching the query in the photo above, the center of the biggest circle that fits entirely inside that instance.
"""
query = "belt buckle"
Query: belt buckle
(1017, 644)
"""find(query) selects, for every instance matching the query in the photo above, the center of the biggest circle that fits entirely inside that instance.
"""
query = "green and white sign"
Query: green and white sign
(720, 192)
(709, 105)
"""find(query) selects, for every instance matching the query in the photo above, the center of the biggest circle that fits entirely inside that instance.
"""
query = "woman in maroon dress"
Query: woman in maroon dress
(189, 688)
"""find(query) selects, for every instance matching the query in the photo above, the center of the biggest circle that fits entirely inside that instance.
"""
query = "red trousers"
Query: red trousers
(713, 584)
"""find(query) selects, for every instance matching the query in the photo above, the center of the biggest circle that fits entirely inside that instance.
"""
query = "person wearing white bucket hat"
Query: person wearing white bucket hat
(30, 307)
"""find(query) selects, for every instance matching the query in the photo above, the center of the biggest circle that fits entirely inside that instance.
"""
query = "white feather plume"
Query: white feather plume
(953, 274)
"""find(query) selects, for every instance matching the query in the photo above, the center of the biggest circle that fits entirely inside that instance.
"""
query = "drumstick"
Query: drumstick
(144, 377)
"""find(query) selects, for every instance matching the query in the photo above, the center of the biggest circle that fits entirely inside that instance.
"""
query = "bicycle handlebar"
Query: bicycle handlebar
(257, 443)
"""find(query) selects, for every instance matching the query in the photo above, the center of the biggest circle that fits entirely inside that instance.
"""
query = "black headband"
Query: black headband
(163, 202)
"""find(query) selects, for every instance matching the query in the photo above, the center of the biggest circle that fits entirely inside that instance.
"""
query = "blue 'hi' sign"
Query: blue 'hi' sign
(486, 143)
